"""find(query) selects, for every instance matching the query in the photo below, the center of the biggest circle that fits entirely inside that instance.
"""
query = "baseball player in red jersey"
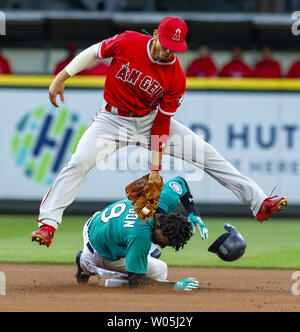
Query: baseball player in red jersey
(143, 89)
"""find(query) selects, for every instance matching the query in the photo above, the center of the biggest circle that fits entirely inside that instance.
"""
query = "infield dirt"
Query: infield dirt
(54, 288)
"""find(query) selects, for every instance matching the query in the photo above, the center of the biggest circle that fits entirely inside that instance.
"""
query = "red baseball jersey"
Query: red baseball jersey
(4, 66)
(236, 69)
(202, 68)
(136, 82)
(294, 71)
(267, 68)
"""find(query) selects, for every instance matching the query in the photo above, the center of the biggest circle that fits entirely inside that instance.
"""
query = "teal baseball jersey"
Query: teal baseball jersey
(172, 191)
(116, 232)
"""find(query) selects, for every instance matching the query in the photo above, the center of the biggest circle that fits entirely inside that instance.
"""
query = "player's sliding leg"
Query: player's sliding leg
(205, 156)
(91, 148)
(157, 269)
(89, 262)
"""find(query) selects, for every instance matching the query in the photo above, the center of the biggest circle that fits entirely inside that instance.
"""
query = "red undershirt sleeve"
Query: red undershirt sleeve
(160, 132)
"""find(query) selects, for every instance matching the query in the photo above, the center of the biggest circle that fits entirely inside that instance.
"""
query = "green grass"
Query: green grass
(274, 244)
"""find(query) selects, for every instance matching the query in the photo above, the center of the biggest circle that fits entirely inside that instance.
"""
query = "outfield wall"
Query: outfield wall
(254, 123)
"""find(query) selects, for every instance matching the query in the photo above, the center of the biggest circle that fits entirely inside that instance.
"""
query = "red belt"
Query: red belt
(121, 112)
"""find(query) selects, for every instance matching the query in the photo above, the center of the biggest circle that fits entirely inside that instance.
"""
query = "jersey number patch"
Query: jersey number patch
(115, 212)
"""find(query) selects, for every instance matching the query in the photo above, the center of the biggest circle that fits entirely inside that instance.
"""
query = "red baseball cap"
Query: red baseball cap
(171, 34)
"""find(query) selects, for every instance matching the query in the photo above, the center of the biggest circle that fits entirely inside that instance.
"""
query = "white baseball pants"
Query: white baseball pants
(110, 132)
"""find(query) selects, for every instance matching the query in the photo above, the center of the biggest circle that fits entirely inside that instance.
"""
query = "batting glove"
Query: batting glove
(196, 220)
(186, 284)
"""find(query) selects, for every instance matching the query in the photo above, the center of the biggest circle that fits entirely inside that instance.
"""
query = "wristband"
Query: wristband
(155, 167)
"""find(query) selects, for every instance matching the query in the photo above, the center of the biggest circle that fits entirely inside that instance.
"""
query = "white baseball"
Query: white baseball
(145, 211)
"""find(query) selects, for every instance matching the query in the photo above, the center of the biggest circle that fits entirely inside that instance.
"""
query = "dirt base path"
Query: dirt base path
(54, 288)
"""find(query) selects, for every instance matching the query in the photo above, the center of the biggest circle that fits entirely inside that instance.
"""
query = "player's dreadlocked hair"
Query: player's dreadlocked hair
(176, 228)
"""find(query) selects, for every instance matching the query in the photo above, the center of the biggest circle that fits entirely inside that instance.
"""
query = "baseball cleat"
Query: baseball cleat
(80, 276)
(44, 235)
(269, 207)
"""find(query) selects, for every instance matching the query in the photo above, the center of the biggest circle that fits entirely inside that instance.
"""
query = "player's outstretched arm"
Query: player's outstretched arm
(140, 280)
(82, 61)
(176, 190)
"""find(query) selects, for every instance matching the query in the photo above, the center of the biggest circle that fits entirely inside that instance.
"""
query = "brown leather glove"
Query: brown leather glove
(144, 196)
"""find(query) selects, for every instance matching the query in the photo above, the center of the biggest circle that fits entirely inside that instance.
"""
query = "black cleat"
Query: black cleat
(80, 276)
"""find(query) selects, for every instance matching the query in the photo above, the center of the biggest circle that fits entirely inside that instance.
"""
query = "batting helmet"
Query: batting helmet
(229, 246)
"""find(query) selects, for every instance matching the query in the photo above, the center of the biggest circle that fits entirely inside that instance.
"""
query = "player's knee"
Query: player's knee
(158, 270)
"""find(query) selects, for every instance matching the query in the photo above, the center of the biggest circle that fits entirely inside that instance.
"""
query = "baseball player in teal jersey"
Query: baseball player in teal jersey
(115, 242)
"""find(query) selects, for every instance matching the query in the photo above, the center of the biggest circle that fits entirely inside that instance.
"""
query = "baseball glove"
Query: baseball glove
(144, 196)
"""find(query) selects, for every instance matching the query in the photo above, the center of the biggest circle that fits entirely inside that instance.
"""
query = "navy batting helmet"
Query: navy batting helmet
(229, 246)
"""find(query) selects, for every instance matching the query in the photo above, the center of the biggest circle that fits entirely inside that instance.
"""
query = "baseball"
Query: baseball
(145, 211)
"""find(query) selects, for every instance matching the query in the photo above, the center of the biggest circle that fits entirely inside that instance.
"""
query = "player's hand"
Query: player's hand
(187, 284)
(154, 177)
(196, 220)
(57, 88)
